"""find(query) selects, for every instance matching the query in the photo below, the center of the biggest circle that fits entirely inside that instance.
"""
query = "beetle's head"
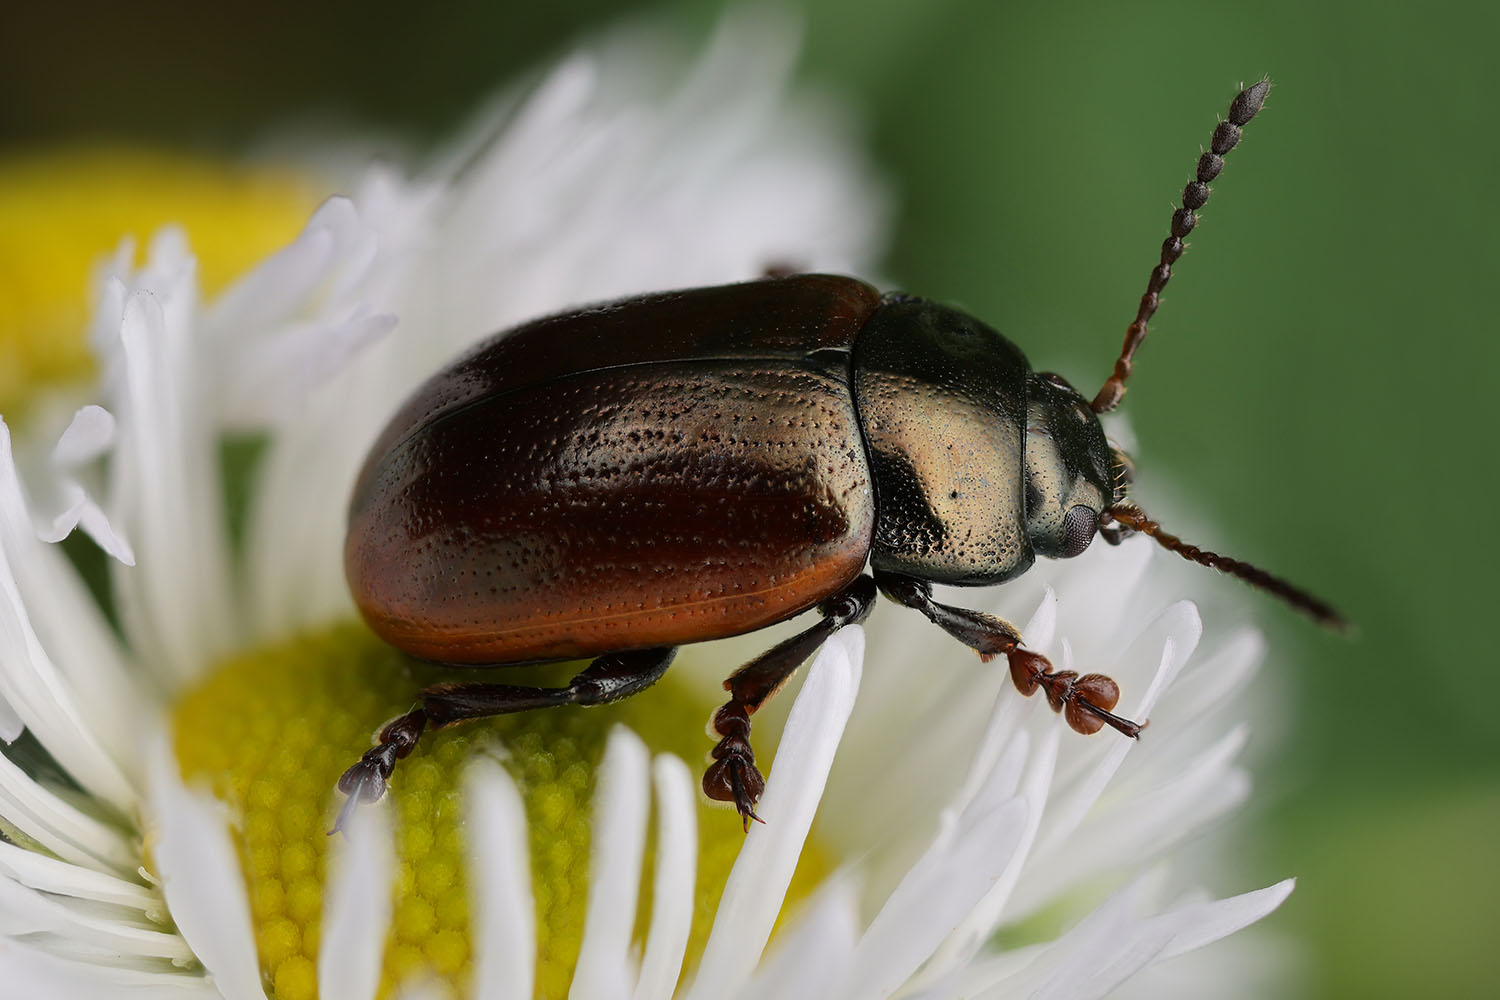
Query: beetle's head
(1070, 468)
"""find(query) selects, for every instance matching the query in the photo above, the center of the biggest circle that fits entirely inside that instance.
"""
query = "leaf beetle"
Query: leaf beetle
(612, 482)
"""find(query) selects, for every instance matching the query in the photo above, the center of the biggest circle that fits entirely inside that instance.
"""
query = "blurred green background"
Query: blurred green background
(1317, 389)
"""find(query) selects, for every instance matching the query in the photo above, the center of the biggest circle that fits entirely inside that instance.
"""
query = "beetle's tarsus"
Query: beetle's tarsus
(742, 800)
(351, 803)
(733, 777)
(363, 783)
(1085, 702)
(366, 780)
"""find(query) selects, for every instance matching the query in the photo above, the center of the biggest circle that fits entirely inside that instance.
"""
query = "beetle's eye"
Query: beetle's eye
(1079, 528)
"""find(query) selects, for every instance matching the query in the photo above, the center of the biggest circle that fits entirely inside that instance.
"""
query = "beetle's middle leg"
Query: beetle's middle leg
(1084, 701)
(609, 678)
(733, 776)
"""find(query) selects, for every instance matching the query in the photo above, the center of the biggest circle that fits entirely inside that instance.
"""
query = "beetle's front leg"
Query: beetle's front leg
(733, 776)
(1084, 701)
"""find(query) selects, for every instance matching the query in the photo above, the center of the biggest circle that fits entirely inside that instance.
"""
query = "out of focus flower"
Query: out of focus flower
(59, 208)
(919, 811)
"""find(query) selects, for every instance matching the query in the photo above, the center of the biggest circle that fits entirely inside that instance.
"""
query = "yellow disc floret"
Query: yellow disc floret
(271, 731)
(62, 210)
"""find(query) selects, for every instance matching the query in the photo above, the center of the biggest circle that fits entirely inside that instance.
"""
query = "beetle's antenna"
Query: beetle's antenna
(1134, 519)
(1243, 108)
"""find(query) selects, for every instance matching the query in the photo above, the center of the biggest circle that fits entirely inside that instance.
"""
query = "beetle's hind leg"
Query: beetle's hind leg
(733, 776)
(1084, 701)
(609, 678)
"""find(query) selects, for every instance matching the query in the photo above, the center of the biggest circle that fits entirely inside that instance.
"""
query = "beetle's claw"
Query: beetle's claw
(734, 779)
(362, 783)
(746, 792)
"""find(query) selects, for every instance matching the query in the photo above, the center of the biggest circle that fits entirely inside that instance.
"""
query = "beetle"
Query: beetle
(615, 481)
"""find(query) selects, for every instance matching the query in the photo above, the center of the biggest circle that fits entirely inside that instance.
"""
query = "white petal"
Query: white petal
(423, 988)
(281, 283)
(1143, 826)
(1204, 923)
(621, 807)
(1183, 625)
(934, 898)
(31, 685)
(499, 862)
(1209, 684)
(77, 641)
(357, 907)
(11, 725)
(1073, 958)
(201, 879)
(294, 548)
(88, 436)
(936, 708)
(30, 972)
(815, 954)
(676, 875)
(1102, 591)
(1101, 964)
(982, 921)
(268, 383)
(1000, 738)
(59, 826)
(166, 494)
(758, 882)
(83, 511)
(95, 523)
(59, 878)
(24, 911)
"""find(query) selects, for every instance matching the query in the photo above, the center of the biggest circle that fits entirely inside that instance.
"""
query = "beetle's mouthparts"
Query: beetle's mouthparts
(1132, 519)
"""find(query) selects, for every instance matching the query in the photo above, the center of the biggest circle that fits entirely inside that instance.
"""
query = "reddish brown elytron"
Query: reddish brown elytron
(695, 477)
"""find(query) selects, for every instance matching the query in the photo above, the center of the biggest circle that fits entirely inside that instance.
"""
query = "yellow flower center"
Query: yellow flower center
(62, 210)
(272, 730)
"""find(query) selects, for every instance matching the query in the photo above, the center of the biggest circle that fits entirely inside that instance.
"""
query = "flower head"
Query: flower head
(917, 806)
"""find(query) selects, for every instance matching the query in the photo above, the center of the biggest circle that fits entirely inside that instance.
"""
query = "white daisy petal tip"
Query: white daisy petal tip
(88, 436)
(1204, 923)
(621, 807)
(675, 880)
(498, 853)
(83, 512)
(357, 906)
(201, 878)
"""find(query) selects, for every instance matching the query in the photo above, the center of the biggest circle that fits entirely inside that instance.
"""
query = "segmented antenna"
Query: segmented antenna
(1135, 519)
(1243, 108)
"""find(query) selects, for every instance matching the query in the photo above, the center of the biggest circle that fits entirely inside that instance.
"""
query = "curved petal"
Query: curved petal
(357, 907)
(201, 878)
(504, 912)
(621, 808)
(758, 882)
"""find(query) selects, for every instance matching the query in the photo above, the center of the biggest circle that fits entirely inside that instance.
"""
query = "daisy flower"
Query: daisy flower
(175, 734)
